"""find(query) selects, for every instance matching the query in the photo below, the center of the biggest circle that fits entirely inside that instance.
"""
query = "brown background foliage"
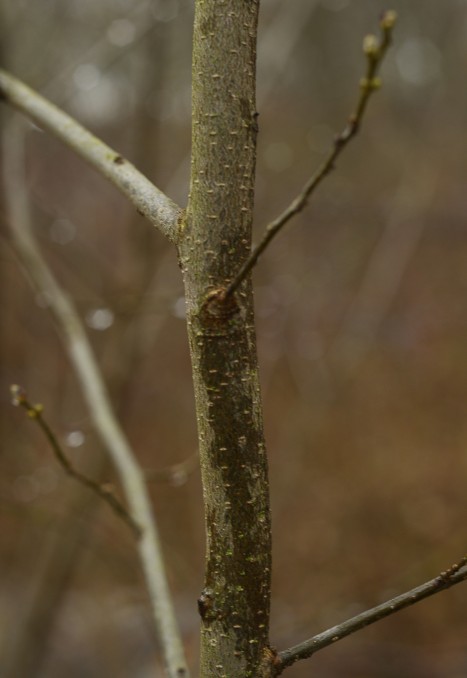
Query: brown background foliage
(362, 330)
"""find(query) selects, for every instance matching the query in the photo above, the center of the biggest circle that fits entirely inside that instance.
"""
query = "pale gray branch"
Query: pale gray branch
(148, 200)
(454, 575)
(79, 350)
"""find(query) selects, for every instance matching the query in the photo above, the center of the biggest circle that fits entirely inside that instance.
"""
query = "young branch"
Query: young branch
(35, 412)
(375, 52)
(95, 394)
(148, 200)
(452, 576)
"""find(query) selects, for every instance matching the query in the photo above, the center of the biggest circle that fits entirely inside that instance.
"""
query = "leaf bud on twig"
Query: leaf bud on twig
(388, 20)
(370, 45)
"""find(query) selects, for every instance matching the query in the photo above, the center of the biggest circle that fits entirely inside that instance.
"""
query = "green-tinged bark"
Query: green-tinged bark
(214, 241)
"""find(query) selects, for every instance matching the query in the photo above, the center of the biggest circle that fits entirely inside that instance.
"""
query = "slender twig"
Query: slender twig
(148, 200)
(95, 393)
(452, 576)
(36, 413)
(375, 52)
(176, 474)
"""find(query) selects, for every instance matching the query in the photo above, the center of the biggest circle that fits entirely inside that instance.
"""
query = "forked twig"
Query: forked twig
(453, 575)
(375, 52)
(35, 412)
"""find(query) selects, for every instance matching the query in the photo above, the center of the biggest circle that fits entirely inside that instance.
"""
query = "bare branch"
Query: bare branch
(35, 412)
(375, 53)
(94, 391)
(454, 575)
(148, 200)
(176, 474)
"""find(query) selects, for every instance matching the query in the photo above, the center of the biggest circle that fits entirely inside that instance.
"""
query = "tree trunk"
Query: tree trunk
(215, 238)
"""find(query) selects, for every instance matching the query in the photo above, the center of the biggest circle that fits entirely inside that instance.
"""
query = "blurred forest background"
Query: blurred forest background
(362, 329)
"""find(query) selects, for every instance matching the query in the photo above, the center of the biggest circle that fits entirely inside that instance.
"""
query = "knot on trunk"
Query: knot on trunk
(220, 305)
(219, 311)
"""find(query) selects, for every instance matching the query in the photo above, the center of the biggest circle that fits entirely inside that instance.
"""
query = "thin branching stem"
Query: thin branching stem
(375, 52)
(36, 413)
(97, 399)
(148, 200)
(452, 576)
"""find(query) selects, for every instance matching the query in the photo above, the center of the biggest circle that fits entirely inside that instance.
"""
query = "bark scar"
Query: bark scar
(218, 306)
(220, 315)
(206, 608)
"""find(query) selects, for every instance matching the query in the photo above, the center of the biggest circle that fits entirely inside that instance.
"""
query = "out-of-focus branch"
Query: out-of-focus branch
(176, 474)
(148, 200)
(79, 350)
(35, 412)
(452, 576)
(375, 52)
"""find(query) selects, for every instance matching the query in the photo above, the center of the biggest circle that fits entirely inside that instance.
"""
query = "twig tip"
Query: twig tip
(388, 20)
(18, 395)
